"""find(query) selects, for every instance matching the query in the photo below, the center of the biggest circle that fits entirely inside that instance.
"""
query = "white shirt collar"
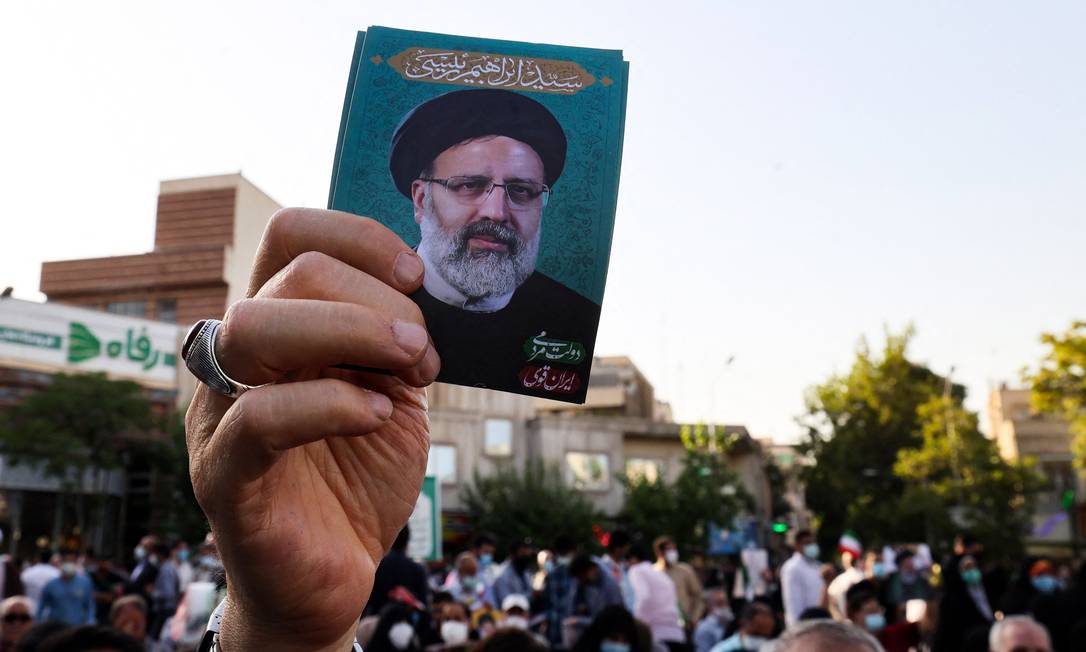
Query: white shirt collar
(441, 290)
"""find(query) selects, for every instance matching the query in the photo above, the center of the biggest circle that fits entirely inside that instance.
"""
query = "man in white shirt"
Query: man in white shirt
(802, 585)
(37, 576)
(843, 582)
(656, 602)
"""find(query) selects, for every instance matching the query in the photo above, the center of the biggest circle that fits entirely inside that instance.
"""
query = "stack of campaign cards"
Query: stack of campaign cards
(498, 161)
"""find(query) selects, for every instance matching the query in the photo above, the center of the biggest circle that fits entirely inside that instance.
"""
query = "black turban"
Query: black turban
(446, 120)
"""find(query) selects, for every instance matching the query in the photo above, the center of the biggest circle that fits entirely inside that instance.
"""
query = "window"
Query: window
(588, 471)
(442, 463)
(166, 310)
(127, 308)
(644, 468)
(498, 437)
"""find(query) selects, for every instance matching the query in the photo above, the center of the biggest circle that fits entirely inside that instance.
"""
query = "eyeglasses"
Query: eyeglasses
(16, 618)
(472, 191)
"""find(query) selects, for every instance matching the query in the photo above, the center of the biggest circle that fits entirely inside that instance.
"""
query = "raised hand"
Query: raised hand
(306, 481)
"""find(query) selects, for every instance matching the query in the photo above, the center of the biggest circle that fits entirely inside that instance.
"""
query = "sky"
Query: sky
(797, 176)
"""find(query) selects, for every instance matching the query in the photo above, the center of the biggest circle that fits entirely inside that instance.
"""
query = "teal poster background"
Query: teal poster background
(579, 219)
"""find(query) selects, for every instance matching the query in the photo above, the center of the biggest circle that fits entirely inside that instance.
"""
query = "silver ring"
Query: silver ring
(198, 352)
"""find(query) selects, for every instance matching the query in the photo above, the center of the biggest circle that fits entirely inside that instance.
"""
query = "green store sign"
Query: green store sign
(84, 345)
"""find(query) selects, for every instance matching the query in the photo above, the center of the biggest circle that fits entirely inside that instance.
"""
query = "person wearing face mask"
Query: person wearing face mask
(558, 590)
(38, 575)
(484, 549)
(141, 580)
(655, 601)
(180, 556)
(687, 586)
(166, 591)
(544, 562)
(465, 583)
(515, 610)
(710, 630)
(454, 628)
(516, 577)
(395, 630)
(866, 612)
(756, 625)
(964, 606)
(70, 597)
(802, 585)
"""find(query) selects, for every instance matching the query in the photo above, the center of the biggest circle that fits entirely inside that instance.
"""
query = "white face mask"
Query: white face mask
(454, 632)
(672, 556)
(516, 622)
(400, 635)
(752, 642)
(68, 569)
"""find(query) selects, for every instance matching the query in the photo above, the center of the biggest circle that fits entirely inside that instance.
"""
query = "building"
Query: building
(207, 231)
(38, 341)
(1020, 433)
(206, 235)
(621, 428)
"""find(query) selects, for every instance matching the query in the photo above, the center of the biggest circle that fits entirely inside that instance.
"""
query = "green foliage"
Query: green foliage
(1059, 385)
(534, 503)
(958, 475)
(706, 491)
(78, 423)
(878, 436)
(183, 518)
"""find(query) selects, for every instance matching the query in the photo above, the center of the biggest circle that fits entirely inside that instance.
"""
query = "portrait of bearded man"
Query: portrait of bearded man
(480, 167)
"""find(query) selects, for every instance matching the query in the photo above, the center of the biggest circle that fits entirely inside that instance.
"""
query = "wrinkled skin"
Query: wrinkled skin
(307, 481)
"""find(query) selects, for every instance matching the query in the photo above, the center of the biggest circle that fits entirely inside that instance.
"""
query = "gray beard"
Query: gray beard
(478, 274)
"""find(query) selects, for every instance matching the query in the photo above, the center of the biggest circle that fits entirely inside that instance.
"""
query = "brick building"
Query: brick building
(206, 233)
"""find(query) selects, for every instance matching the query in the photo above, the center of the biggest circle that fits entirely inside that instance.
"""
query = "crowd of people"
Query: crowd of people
(630, 598)
(638, 598)
(72, 600)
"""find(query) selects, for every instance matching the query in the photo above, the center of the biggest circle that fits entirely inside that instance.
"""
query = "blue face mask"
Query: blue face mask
(486, 559)
(878, 570)
(183, 555)
(1045, 583)
(614, 646)
(812, 551)
(875, 622)
(971, 577)
(548, 566)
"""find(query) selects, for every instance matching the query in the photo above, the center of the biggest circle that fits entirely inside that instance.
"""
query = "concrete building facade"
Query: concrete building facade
(1020, 432)
(206, 235)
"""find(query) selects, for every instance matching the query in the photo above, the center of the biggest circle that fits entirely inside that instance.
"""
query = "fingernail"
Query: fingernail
(408, 268)
(381, 404)
(410, 336)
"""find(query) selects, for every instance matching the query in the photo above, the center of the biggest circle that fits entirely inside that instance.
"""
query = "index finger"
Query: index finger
(360, 242)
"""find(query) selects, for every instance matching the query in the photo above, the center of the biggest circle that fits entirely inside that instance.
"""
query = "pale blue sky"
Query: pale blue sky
(797, 174)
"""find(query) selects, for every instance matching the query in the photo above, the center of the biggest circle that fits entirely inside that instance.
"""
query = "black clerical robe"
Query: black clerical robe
(540, 344)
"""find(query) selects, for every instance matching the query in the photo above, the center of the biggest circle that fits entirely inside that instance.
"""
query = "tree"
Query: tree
(705, 492)
(182, 517)
(961, 481)
(535, 503)
(1059, 384)
(857, 423)
(77, 425)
